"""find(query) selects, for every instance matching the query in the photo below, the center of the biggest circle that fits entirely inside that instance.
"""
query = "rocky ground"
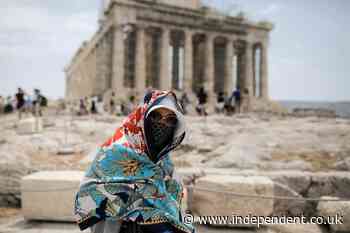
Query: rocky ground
(255, 142)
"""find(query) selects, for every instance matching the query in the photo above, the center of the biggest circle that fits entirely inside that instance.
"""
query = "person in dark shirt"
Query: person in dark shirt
(93, 108)
(184, 101)
(202, 97)
(237, 97)
(20, 102)
(220, 102)
(2, 104)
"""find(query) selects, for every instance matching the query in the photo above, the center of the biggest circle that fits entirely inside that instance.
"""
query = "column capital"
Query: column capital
(231, 39)
(249, 44)
(211, 36)
(189, 32)
(165, 29)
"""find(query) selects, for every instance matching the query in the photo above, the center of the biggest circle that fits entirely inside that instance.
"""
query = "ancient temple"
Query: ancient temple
(170, 44)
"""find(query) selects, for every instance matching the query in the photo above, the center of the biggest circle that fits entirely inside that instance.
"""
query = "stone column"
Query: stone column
(264, 82)
(165, 82)
(118, 60)
(188, 64)
(210, 70)
(229, 67)
(248, 69)
(105, 64)
(140, 65)
(175, 71)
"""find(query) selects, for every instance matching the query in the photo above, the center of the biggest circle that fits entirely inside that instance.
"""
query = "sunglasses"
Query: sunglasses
(169, 119)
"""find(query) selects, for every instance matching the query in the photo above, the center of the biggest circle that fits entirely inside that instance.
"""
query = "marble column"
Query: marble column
(188, 64)
(140, 65)
(210, 69)
(165, 81)
(105, 64)
(264, 83)
(175, 71)
(118, 60)
(229, 67)
(248, 69)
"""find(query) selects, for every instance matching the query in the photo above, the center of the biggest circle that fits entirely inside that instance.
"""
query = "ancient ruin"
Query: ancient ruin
(165, 44)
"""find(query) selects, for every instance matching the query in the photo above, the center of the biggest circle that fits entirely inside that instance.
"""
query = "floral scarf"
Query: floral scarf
(124, 184)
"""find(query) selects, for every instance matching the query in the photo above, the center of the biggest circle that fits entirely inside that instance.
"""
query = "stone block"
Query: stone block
(330, 209)
(50, 195)
(217, 203)
(48, 122)
(30, 126)
(288, 207)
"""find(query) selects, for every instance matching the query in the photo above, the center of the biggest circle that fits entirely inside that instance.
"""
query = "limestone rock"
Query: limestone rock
(14, 164)
(343, 165)
(287, 207)
(330, 209)
(208, 203)
(296, 180)
(50, 195)
(325, 184)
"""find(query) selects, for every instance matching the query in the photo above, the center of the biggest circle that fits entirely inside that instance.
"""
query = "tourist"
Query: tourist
(130, 186)
(82, 108)
(20, 102)
(93, 109)
(202, 101)
(129, 106)
(39, 102)
(220, 102)
(100, 105)
(246, 100)
(237, 99)
(184, 100)
(112, 104)
(28, 106)
(2, 104)
(229, 105)
(8, 108)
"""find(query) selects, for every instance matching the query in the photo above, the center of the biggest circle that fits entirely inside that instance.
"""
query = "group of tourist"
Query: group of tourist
(24, 103)
(225, 104)
(96, 105)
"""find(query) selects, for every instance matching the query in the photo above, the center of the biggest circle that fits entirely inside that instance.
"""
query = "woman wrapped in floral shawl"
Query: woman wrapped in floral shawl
(130, 183)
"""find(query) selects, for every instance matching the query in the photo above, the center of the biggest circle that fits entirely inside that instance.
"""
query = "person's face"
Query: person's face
(161, 124)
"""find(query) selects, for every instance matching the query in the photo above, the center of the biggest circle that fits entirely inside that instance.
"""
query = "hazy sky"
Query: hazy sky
(308, 58)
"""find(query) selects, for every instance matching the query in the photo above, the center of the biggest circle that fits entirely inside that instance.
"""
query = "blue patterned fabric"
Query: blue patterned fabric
(124, 184)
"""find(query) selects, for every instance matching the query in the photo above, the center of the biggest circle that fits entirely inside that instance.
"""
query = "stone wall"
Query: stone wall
(318, 112)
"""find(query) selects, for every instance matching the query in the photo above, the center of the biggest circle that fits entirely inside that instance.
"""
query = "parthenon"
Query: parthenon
(166, 44)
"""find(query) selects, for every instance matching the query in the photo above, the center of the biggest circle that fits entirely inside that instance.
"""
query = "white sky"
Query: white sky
(308, 60)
